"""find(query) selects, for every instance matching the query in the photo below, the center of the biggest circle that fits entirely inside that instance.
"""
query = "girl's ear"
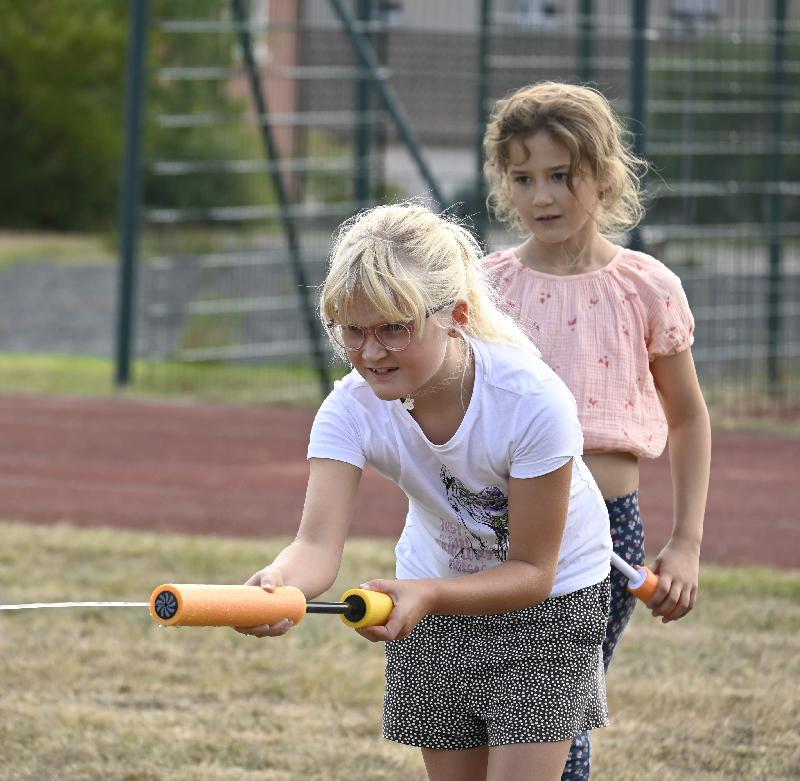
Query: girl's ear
(461, 313)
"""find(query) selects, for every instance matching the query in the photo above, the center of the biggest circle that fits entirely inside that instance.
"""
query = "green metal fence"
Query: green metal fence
(286, 117)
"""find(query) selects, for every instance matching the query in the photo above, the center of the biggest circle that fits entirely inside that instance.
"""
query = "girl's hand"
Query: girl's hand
(269, 579)
(412, 600)
(677, 567)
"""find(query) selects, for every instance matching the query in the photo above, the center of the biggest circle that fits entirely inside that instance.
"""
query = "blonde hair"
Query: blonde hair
(407, 261)
(583, 121)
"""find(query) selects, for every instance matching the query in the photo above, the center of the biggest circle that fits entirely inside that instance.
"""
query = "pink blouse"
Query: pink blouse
(599, 331)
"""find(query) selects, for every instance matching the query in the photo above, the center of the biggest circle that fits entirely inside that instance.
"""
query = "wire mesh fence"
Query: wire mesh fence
(255, 158)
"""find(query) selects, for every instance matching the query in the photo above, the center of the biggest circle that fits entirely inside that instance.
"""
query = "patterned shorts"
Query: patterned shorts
(528, 676)
(627, 536)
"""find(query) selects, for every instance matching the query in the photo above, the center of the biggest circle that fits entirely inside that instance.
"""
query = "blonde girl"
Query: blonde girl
(614, 324)
(501, 589)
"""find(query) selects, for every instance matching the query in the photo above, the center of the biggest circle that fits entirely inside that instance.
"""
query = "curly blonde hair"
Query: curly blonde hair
(581, 119)
(408, 261)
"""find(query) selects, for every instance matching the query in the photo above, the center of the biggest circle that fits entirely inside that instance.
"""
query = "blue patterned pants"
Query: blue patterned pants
(627, 536)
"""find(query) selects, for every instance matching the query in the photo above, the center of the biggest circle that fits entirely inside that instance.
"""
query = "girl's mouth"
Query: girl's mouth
(382, 372)
(547, 218)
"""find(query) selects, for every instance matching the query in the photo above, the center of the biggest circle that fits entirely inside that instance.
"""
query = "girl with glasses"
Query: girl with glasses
(501, 590)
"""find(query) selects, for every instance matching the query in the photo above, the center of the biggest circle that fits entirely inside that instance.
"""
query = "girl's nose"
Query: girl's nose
(542, 196)
(372, 348)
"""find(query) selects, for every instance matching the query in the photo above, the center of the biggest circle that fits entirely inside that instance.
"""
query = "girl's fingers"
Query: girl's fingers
(384, 586)
(661, 593)
(375, 634)
(667, 605)
(266, 578)
(266, 630)
(676, 603)
(395, 629)
(683, 605)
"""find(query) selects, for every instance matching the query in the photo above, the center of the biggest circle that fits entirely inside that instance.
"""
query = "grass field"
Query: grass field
(61, 248)
(71, 375)
(90, 694)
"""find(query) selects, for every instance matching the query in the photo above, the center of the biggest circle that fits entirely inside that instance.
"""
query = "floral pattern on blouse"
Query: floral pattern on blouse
(599, 331)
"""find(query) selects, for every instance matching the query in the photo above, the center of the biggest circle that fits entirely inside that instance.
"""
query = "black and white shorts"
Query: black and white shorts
(528, 676)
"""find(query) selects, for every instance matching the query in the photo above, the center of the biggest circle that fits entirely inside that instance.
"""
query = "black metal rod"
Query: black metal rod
(327, 607)
(777, 174)
(369, 61)
(313, 327)
(363, 139)
(585, 42)
(131, 189)
(484, 76)
(639, 73)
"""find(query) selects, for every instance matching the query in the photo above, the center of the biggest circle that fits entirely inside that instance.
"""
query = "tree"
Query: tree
(61, 98)
(62, 89)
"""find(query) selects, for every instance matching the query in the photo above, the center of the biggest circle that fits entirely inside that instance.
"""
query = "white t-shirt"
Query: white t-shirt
(521, 422)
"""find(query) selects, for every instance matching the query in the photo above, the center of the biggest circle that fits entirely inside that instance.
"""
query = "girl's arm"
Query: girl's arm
(537, 509)
(678, 563)
(311, 562)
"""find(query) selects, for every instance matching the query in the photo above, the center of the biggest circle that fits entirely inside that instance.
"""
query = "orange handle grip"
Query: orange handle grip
(185, 604)
(647, 587)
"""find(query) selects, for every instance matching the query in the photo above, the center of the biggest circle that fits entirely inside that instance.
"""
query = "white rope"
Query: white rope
(32, 605)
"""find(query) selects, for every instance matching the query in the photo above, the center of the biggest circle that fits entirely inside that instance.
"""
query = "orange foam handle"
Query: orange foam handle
(186, 604)
(378, 607)
(648, 588)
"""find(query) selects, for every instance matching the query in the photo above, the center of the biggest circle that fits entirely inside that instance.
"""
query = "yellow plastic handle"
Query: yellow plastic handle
(186, 604)
(377, 607)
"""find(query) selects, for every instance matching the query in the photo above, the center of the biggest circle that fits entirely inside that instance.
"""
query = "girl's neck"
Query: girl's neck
(445, 402)
(568, 258)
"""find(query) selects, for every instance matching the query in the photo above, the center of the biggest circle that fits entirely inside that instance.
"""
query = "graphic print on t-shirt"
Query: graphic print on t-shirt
(468, 551)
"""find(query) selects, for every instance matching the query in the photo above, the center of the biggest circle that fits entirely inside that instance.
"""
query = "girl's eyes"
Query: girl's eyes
(560, 177)
(394, 328)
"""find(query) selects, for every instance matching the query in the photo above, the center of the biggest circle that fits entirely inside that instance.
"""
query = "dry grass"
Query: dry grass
(107, 694)
(52, 247)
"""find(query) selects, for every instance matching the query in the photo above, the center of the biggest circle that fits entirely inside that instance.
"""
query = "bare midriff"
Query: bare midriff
(616, 473)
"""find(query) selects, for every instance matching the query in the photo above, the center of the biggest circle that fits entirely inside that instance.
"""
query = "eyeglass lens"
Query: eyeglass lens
(393, 336)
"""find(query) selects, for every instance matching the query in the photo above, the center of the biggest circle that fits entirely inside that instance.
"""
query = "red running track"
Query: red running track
(241, 471)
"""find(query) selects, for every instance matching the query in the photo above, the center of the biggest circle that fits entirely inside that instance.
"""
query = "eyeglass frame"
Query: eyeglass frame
(365, 332)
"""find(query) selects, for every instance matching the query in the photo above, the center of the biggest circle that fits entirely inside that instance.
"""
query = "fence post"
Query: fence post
(776, 174)
(639, 72)
(363, 130)
(484, 42)
(585, 40)
(272, 153)
(366, 54)
(131, 187)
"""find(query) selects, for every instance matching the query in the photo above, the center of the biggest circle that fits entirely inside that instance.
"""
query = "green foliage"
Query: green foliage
(224, 138)
(720, 74)
(62, 92)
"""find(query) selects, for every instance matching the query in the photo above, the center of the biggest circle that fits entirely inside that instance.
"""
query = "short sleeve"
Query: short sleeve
(549, 433)
(670, 320)
(334, 433)
(499, 268)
